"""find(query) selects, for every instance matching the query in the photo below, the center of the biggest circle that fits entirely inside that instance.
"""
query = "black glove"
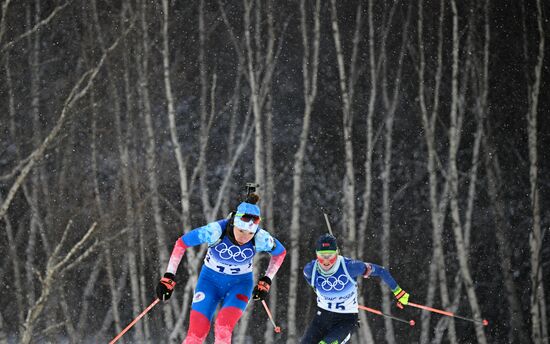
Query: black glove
(166, 286)
(261, 289)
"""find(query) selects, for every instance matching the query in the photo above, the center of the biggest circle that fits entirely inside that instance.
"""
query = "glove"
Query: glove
(262, 289)
(166, 286)
(401, 296)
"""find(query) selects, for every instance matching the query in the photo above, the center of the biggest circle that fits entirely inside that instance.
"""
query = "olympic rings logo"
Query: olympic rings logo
(332, 282)
(234, 252)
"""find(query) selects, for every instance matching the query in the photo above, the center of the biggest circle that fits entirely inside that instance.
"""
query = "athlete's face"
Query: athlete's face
(242, 236)
(326, 259)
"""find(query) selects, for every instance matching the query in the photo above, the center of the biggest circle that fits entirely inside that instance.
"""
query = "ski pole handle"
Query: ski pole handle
(134, 321)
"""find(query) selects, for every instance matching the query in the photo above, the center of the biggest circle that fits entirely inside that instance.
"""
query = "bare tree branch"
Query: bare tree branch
(77, 92)
(35, 28)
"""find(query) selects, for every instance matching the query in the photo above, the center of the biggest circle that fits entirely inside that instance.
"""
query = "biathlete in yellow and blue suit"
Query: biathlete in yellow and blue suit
(333, 277)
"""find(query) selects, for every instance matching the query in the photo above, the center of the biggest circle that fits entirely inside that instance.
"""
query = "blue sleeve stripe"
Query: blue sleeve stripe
(308, 270)
(279, 248)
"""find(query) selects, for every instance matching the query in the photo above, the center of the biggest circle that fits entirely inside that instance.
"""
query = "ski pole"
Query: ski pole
(134, 321)
(277, 328)
(447, 313)
(375, 311)
(328, 223)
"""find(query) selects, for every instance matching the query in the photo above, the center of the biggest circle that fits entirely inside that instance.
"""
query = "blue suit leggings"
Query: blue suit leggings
(330, 328)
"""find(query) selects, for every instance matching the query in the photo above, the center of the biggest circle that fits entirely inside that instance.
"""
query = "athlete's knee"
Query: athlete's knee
(199, 325)
(223, 335)
(229, 316)
(225, 322)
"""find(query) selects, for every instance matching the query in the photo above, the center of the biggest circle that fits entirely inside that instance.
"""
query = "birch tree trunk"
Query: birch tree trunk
(390, 106)
(204, 120)
(495, 185)
(203, 110)
(88, 290)
(438, 202)
(453, 175)
(365, 333)
(347, 88)
(182, 165)
(56, 267)
(181, 162)
(150, 159)
(254, 70)
(125, 136)
(479, 87)
(37, 177)
(17, 264)
(373, 88)
(310, 67)
(17, 274)
(260, 63)
(386, 222)
(268, 210)
(31, 194)
(121, 285)
(115, 296)
(539, 323)
(38, 194)
(235, 99)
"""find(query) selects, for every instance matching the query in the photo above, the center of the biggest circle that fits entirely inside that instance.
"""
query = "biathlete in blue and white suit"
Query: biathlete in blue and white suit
(226, 276)
(333, 277)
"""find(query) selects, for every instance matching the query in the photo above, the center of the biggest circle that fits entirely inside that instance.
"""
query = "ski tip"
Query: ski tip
(277, 329)
(485, 322)
(412, 323)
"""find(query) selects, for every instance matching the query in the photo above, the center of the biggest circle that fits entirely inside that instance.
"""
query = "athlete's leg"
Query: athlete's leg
(225, 323)
(199, 325)
(341, 331)
(317, 327)
(205, 300)
(234, 304)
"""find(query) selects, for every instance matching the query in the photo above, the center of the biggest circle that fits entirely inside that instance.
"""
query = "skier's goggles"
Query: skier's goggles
(328, 255)
(247, 218)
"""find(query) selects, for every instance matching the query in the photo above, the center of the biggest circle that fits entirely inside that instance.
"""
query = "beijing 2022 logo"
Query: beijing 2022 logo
(234, 252)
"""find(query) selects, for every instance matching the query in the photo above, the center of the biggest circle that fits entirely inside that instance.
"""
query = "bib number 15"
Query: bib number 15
(337, 305)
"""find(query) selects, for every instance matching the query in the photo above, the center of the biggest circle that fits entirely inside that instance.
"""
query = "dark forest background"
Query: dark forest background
(420, 127)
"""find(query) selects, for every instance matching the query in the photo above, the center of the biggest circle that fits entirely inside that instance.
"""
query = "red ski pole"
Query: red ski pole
(375, 311)
(447, 313)
(134, 321)
(277, 328)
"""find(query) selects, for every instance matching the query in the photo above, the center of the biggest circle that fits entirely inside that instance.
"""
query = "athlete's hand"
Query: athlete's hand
(261, 289)
(166, 286)
(401, 296)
